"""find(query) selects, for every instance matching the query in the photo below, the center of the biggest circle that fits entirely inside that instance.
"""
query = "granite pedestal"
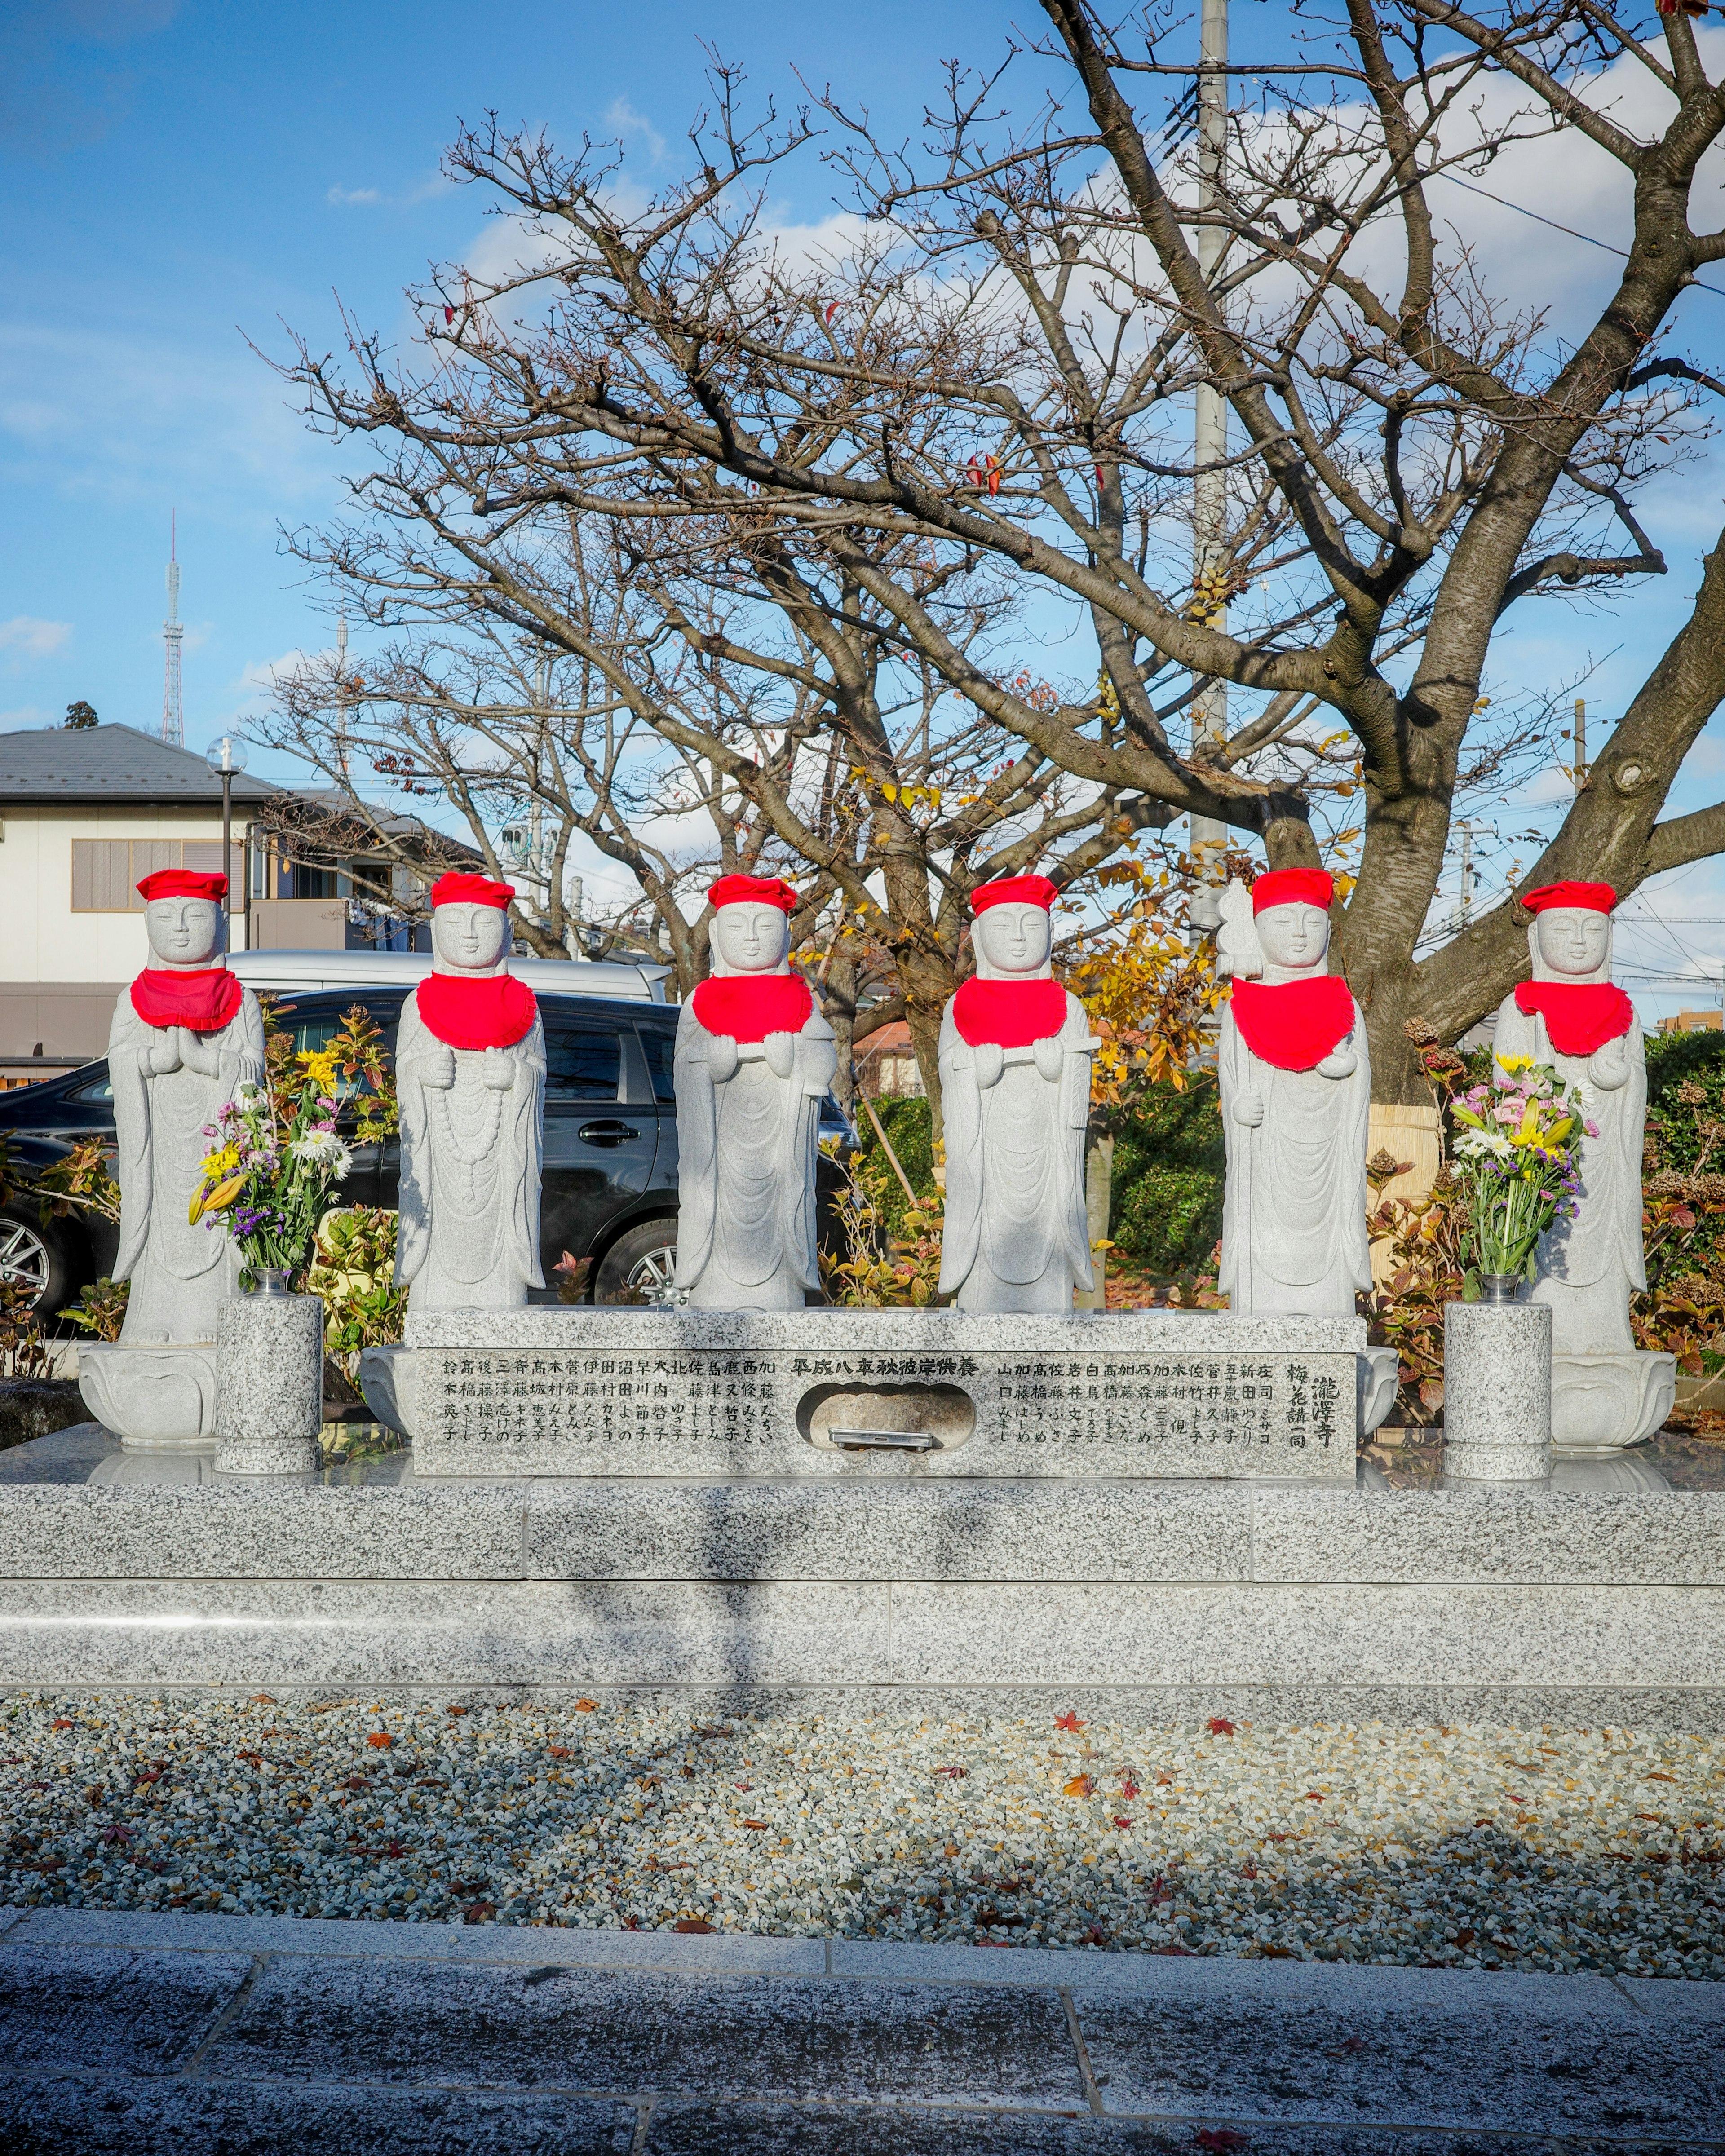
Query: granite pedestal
(1531, 1601)
(828, 1393)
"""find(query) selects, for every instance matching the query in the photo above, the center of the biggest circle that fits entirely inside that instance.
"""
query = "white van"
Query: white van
(306, 970)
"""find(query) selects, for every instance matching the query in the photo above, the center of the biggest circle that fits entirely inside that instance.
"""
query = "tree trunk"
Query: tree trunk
(1098, 1209)
(838, 1001)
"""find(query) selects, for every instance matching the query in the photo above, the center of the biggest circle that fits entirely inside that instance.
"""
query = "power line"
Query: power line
(1621, 252)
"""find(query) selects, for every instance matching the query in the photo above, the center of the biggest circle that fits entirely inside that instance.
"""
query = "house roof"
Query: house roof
(110, 763)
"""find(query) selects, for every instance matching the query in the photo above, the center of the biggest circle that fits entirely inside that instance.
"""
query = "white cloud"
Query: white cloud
(623, 117)
(341, 198)
(32, 638)
(21, 718)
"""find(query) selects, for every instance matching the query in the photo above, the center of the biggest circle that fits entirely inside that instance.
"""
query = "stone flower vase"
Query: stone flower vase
(269, 1381)
(1497, 1387)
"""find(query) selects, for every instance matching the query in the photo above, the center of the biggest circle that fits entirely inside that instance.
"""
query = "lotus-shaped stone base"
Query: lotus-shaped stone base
(155, 1400)
(1601, 1403)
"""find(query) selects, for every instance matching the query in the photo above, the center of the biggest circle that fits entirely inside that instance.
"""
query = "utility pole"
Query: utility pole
(1467, 831)
(342, 698)
(1209, 445)
(173, 635)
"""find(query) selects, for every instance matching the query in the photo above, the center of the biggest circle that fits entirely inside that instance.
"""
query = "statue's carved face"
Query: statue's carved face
(1294, 936)
(1573, 942)
(752, 938)
(468, 939)
(183, 932)
(1014, 940)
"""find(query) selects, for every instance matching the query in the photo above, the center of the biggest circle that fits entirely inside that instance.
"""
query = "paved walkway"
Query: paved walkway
(189, 2034)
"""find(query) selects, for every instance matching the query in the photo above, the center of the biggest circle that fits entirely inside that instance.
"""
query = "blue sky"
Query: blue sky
(181, 177)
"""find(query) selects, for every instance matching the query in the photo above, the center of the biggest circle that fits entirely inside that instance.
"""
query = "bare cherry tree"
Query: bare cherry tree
(966, 435)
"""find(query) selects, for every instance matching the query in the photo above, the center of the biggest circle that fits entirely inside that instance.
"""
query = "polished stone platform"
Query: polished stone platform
(1599, 1603)
(811, 1392)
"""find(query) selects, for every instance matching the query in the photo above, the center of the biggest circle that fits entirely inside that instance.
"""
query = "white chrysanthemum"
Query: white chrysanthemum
(324, 1149)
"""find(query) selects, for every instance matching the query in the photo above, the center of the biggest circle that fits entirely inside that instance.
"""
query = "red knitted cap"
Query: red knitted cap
(753, 891)
(1014, 890)
(181, 883)
(458, 888)
(1595, 897)
(1293, 886)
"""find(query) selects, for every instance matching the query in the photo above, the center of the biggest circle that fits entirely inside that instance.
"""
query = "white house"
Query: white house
(84, 812)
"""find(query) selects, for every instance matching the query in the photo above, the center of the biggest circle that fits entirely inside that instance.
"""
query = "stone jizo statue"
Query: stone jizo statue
(469, 1066)
(753, 1058)
(1014, 1063)
(1571, 1016)
(1297, 1091)
(186, 1037)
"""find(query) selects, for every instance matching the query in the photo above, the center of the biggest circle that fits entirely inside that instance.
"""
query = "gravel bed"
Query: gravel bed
(1477, 1846)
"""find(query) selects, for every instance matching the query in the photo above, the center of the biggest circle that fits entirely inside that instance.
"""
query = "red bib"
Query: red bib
(1294, 1025)
(749, 1006)
(1579, 1015)
(476, 1010)
(202, 1002)
(1008, 1014)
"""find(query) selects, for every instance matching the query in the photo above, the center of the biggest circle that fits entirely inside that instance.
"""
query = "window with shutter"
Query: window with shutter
(107, 872)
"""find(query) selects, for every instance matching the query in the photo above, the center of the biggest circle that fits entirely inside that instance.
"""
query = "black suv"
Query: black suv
(610, 1188)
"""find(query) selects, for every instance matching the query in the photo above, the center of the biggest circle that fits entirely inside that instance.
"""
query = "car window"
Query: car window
(315, 1028)
(659, 1047)
(98, 1089)
(582, 1063)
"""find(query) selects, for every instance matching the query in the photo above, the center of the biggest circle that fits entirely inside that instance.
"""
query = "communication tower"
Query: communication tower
(173, 716)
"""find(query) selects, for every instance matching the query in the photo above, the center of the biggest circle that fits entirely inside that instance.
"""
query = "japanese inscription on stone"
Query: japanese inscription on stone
(1206, 1400)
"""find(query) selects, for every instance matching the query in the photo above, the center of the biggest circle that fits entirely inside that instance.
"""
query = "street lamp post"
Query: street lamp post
(224, 757)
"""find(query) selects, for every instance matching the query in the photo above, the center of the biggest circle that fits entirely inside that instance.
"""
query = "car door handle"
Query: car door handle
(610, 1133)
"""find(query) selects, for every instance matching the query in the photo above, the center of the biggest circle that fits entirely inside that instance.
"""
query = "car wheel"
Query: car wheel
(642, 1262)
(30, 1262)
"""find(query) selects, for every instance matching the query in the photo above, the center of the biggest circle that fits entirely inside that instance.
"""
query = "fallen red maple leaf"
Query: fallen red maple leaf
(558, 1751)
(691, 1924)
(1122, 1822)
(1347, 2051)
(756, 1826)
(1080, 1785)
(1219, 1727)
(1069, 1720)
(63, 1724)
(957, 1773)
(380, 1740)
(587, 1706)
(1220, 2137)
(1128, 1788)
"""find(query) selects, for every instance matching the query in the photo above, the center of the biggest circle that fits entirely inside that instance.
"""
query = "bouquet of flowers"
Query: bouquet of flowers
(276, 1153)
(1518, 1161)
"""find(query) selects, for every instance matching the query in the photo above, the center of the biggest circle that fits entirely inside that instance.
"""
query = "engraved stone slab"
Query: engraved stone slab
(830, 1392)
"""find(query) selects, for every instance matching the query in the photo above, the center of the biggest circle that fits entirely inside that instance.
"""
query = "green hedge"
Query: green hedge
(1169, 1168)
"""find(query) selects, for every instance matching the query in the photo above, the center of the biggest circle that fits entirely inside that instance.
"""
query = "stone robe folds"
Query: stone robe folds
(1016, 1236)
(1294, 1237)
(746, 1151)
(1589, 1267)
(180, 1275)
(468, 1236)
